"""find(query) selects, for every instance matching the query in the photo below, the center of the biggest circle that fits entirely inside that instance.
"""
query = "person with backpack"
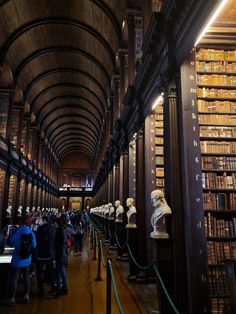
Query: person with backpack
(23, 240)
(45, 254)
(78, 232)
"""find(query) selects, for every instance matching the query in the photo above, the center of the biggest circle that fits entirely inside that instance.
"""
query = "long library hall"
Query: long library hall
(118, 156)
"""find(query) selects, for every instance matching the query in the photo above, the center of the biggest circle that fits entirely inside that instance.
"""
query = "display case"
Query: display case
(159, 147)
(216, 93)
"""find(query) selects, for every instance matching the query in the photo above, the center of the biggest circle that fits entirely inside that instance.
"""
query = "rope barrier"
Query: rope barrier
(118, 243)
(136, 263)
(114, 288)
(164, 289)
(149, 266)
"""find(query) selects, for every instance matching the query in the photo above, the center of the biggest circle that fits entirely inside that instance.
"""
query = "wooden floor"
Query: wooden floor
(86, 296)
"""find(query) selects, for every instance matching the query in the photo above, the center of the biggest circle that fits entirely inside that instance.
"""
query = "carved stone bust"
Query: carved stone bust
(131, 213)
(8, 211)
(19, 211)
(161, 210)
(119, 211)
(111, 211)
(106, 211)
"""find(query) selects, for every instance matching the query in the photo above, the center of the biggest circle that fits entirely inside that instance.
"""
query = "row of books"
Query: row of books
(159, 160)
(217, 131)
(159, 124)
(216, 80)
(216, 54)
(218, 163)
(159, 171)
(218, 66)
(159, 150)
(218, 181)
(218, 147)
(159, 140)
(217, 305)
(216, 93)
(160, 183)
(218, 252)
(2, 184)
(216, 106)
(219, 201)
(218, 284)
(216, 227)
(217, 119)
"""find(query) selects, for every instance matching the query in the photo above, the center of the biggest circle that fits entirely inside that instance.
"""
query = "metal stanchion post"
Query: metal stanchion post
(94, 247)
(108, 297)
(99, 278)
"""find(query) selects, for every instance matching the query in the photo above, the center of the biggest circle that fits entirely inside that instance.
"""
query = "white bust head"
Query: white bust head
(117, 203)
(9, 209)
(33, 209)
(161, 209)
(19, 211)
(38, 209)
(130, 202)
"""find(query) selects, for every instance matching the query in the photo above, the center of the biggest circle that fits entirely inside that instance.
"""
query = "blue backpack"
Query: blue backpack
(26, 245)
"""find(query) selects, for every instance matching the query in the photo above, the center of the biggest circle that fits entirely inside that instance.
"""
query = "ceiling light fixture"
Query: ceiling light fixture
(159, 100)
(211, 20)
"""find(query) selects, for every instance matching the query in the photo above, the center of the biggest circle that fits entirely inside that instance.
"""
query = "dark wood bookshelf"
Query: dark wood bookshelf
(217, 98)
(220, 212)
(217, 73)
(221, 239)
(219, 170)
(217, 86)
(219, 154)
(206, 60)
(216, 265)
(217, 139)
(218, 190)
(216, 112)
(220, 125)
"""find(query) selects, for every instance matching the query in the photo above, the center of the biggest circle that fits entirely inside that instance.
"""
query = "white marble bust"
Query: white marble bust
(106, 211)
(33, 209)
(131, 213)
(119, 211)
(19, 211)
(8, 211)
(38, 209)
(111, 211)
(161, 210)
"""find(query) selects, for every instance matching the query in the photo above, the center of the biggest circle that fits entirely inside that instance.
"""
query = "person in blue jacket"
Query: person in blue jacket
(20, 264)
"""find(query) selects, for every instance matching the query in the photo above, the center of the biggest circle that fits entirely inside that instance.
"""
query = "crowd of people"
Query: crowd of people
(45, 239)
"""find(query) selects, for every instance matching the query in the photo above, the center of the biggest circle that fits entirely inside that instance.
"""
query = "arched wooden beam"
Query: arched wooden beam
(75, 130)
(110, 14)
(49, 88)
(79, 149)
(46, 50)
(72, 142)
(55, 20)
(61, 70)
(70, 115)
(74, 150)
(67, 97)
(70, 124)
(73, 136)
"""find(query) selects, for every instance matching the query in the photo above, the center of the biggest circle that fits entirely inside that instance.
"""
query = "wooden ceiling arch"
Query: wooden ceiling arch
(63, 101)
(68, 125)
(62, 55)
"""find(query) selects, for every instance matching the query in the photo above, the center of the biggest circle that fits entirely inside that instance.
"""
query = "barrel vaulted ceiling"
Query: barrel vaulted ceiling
(62, 56)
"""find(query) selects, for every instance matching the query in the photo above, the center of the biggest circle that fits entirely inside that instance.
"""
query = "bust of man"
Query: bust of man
(131, 213)
(38, 209)
(119, 211)
(19, 211)
(8, 211)
(106, 211)
(33, 209)
(111, 211)
(161, 210)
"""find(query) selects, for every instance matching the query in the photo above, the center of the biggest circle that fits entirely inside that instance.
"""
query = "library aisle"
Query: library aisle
(85, 296)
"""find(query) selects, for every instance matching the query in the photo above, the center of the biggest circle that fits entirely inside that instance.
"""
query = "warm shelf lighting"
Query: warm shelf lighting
(211, 20)
(159, 100)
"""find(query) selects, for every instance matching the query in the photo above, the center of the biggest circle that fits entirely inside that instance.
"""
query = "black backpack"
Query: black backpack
(2, 242)
(26, 246)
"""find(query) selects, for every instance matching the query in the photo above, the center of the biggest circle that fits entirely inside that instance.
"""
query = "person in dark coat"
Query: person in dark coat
(78, 232)
(45, 253)
(61, 256)
(18, 263)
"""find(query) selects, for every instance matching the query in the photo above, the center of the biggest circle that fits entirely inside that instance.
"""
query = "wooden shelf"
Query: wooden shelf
(218, 73)
(206, 60)
(219, 296)
(216, 265)
(219, 154)
(220, 212)
(216, 98)
(220, 125)
(218, 113)
(221, 239)
(219, 170)
(218, 190)
(217, 86)
(217, 139)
